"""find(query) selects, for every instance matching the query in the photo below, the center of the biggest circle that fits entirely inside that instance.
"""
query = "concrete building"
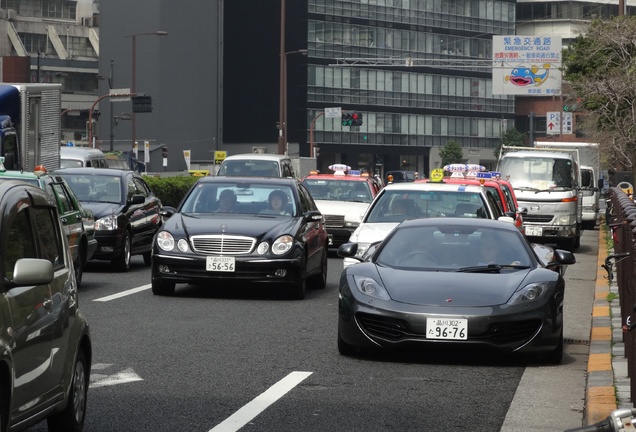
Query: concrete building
(55, 42)
(216, 85)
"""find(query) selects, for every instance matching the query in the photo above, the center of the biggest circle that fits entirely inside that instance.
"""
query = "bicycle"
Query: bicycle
(620, 420)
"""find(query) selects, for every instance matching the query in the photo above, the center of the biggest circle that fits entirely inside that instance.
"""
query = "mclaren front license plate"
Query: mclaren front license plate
(220, 264)
(447, 328)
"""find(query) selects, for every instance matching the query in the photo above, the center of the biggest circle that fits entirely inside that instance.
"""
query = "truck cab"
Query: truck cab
(547, 184)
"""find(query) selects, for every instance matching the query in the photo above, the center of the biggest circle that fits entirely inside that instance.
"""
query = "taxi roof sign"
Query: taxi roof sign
(437, 175)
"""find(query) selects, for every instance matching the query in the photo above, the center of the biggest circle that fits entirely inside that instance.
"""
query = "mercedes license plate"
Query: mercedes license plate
(447, 328)
(220, 264)
(534, 231)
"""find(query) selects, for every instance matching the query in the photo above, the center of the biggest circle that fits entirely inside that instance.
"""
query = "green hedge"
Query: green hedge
(171, 190)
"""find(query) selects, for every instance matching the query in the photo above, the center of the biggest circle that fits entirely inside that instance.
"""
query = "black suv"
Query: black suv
(125, 208)
(46, 348)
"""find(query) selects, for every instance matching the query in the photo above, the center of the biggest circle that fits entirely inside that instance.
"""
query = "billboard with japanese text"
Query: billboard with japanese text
(526, 65)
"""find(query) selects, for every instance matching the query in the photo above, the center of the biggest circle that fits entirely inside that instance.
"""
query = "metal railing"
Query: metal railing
(621, 221)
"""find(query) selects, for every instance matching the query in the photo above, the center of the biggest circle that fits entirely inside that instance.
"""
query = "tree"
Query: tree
(511, 137)
(451, 153)
(600, 66)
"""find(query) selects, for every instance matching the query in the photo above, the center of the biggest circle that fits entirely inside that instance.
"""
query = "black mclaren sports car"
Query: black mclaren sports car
(452, 282)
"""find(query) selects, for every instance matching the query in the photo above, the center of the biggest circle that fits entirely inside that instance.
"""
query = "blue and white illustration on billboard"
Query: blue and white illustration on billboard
(526, 65)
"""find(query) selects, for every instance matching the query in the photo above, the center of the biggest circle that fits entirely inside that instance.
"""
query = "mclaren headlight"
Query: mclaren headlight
(529, 293)
(370, 287)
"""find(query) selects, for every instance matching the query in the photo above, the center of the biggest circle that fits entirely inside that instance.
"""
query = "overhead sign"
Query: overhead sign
(146, 151)
(526, 65)
(123, 91)
(335, 112)
(553, 122)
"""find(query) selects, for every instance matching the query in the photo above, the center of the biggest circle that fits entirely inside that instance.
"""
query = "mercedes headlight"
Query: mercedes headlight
(108, 223)
(282, 245)
(165, 241)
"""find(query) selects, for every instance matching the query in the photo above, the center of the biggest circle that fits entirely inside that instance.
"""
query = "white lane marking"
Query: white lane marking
(123, 293)
(125, 376)
(260, 403)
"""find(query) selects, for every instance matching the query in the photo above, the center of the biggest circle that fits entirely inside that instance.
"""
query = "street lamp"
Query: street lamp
(282, 141)
(133, 89)
(282, 138)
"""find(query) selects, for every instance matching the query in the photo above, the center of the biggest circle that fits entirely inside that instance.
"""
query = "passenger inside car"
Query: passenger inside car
(277, 204)
(403, 207)
(227, 201)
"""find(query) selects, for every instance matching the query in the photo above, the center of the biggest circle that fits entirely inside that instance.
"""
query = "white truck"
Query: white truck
(589, 158)
(30, 125)
(547, 183)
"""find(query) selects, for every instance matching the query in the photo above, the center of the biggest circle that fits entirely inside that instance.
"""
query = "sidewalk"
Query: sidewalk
(608, 386)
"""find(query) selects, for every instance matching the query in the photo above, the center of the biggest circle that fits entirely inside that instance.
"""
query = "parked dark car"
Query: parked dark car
(225, 231)
(78, 222)
(46, 348)
(127, 212)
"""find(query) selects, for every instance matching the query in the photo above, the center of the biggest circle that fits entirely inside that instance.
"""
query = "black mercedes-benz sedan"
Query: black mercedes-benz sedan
(249, 229)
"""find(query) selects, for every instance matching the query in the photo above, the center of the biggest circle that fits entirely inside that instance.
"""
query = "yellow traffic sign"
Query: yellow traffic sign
(219, 156)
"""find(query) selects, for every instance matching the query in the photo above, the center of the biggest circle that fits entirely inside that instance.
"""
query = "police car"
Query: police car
(400, 201)
(77, 221)
(342, 197)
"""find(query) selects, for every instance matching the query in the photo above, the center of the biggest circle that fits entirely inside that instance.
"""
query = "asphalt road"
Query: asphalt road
(229, 358)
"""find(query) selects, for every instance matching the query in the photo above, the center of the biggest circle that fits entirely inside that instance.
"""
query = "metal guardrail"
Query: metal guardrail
(621, 220)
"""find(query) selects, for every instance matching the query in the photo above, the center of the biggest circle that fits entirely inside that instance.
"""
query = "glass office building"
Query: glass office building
(418, 70)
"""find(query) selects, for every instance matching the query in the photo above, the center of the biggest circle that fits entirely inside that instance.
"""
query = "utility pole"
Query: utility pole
(112, 115)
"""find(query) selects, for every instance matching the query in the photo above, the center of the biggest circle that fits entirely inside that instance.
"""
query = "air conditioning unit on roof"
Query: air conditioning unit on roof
(258, 149)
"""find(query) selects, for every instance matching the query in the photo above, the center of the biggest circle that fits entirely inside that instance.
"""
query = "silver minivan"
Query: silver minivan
(79, 157)
(257, 165)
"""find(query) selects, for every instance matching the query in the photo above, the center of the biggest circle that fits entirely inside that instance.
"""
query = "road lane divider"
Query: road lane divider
(123, 293)
(244, 415)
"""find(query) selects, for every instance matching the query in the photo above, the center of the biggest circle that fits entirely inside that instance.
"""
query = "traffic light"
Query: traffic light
(164, 152)
(316, 152)
(141, 103)
(96, 114)
(352, 118)
(569, 108)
